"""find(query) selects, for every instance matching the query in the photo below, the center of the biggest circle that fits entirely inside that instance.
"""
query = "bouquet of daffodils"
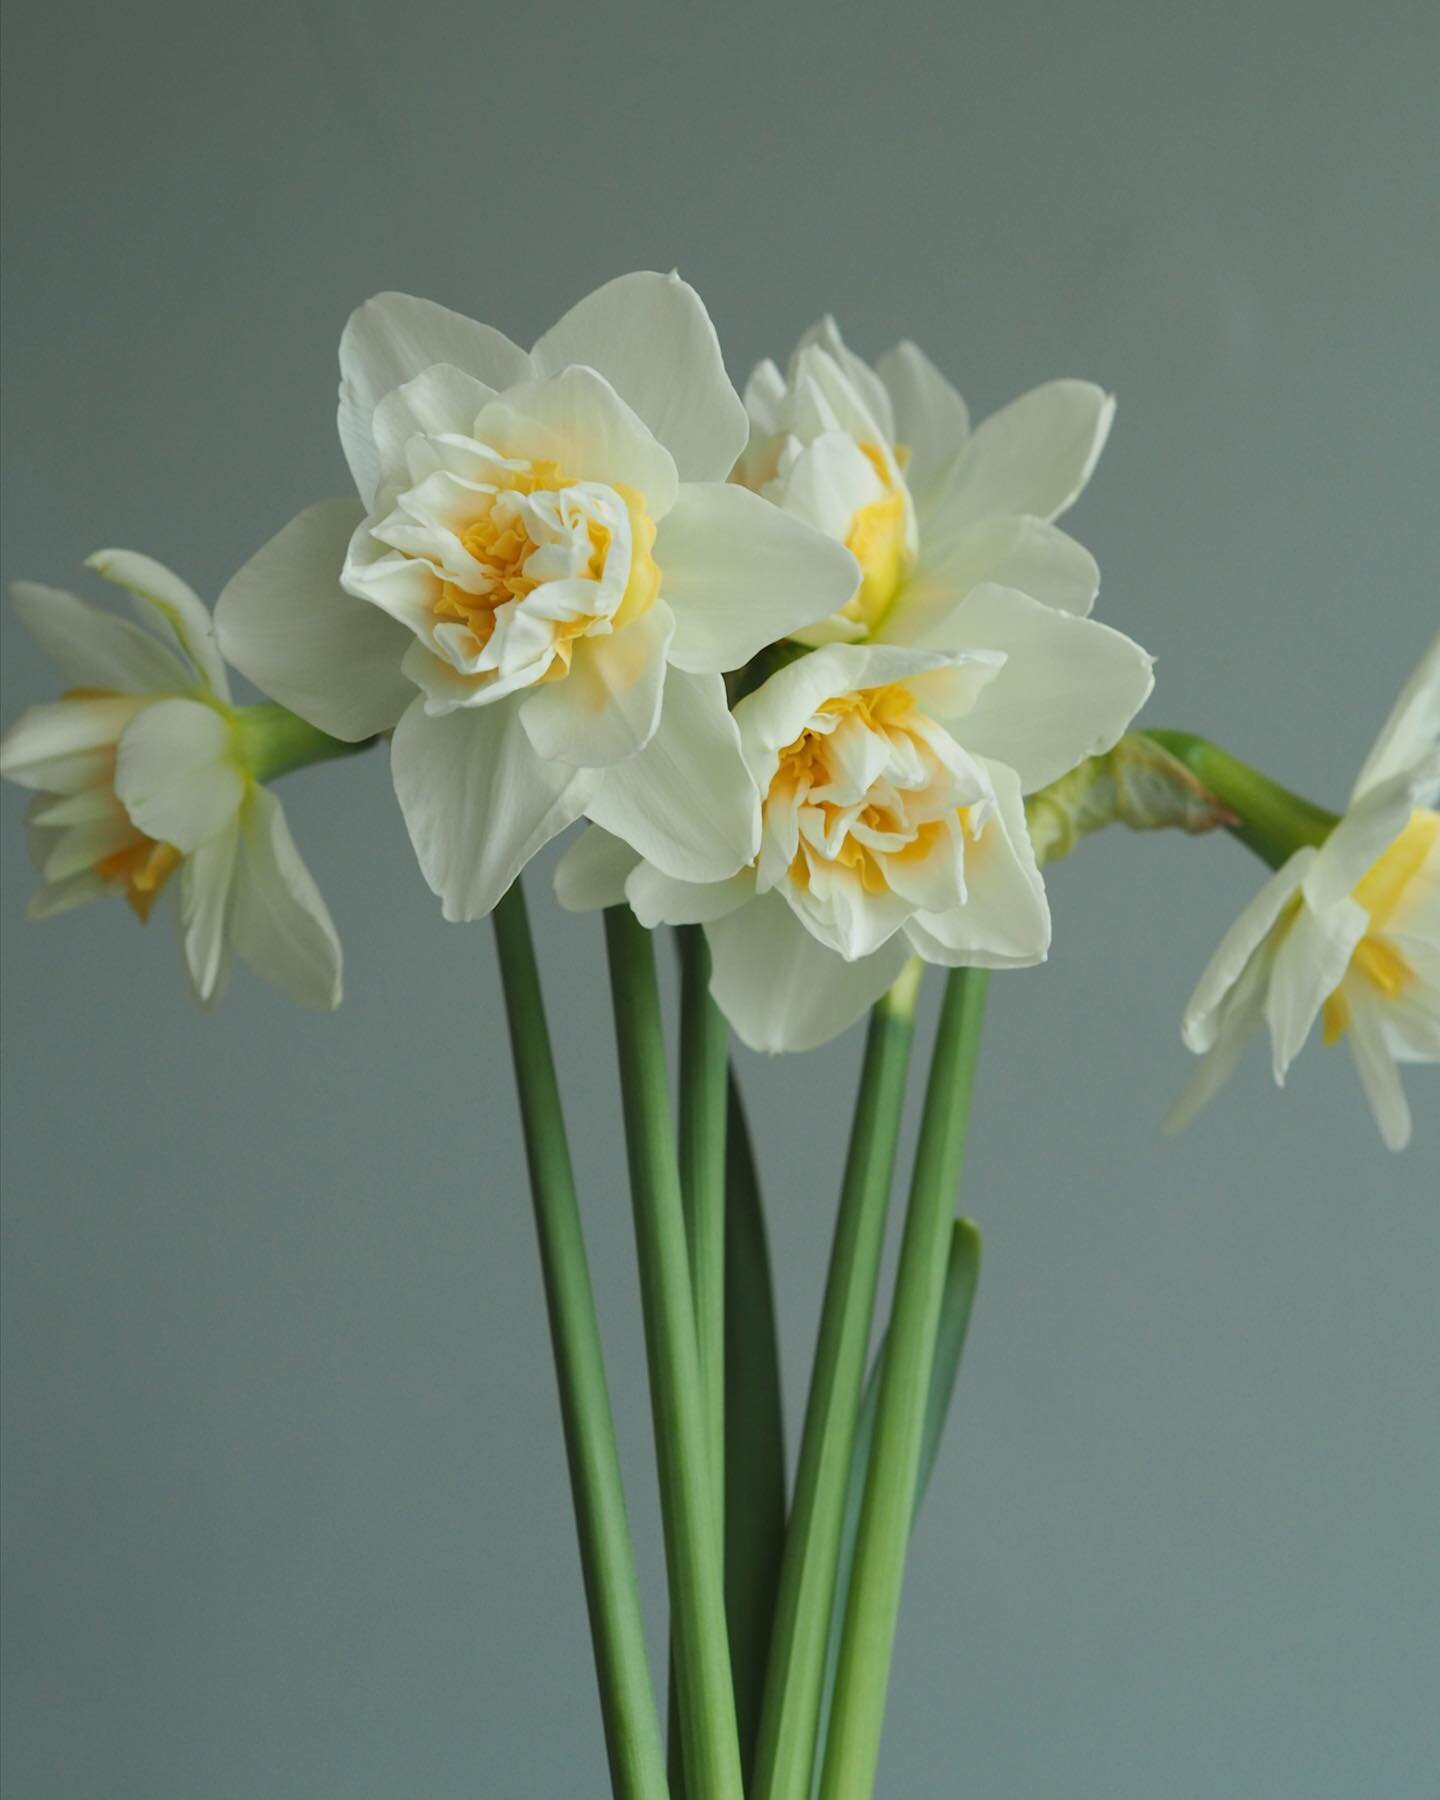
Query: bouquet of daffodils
(815, 675)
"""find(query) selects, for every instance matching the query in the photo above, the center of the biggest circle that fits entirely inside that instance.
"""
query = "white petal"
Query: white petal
(205, 899)
(651, 338)
(608, 706)
(740, 574)
(931, 419)
(1033, 456)
(176, 772)
(867, 382)
(1379, 1077)
(182, 614)
(1412, 729)
(1068, 690)
(783, 990)
(60, 896)
(478, 801)
(279, 923)
(1236, 949)
(776, 713)
(686, 802)
(577, 419)
(1310, 963)
(391, 339)
(1038, 559)
(592, 873)
(1005, 920)
(1241, 1015)
(1361, 838)
(286, 622)
(658, 899)
(94, 649)
(68, 745)
(439, 401)
(82, 846)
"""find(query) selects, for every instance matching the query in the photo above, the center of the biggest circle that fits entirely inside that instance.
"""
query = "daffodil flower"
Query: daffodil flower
(544, 578)
(1347, 932)
(954, 533)
(883, 837)
(144, 779)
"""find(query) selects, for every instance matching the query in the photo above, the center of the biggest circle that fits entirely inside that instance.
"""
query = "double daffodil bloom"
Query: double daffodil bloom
(883, 837)
(144, 784)
(954, 533)
(1347, 932)
(540, 586)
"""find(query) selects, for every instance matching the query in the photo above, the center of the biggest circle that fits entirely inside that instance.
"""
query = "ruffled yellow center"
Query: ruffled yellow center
(1384, 890)
(503, 548)
(877, 541)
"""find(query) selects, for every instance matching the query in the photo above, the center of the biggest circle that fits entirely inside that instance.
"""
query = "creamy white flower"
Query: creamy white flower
(541, 585)
(883, 836)
(955, 536)
(1348, 932)
(141, 779)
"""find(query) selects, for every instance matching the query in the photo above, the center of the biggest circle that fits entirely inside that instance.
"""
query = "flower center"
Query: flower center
(877, 541)
(1384, 890)
(140, 871)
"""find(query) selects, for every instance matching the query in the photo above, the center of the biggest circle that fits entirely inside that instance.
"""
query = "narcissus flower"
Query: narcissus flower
(143, 783)
(883, 836)
(954, 533)
(543, 580)
(1348, 932)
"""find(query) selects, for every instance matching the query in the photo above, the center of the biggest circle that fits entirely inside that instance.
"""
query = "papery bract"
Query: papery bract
(140, 778)
(543, 580)
(1348, 933)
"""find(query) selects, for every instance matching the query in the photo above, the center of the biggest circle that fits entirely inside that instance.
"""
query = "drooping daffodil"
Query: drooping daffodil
(1346, 931)
(540, 586)
(954, 533)
(884, 836)
(145, 780)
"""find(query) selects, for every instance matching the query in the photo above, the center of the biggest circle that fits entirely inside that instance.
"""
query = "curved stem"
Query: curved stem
(692, 1541)
(786, 1750)
(873, 1604)
(1273, 822)
(627, 1698)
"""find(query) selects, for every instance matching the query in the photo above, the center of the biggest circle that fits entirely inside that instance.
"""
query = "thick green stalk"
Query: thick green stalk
(1270, 820)
(961, 1274)
(677, 1396)
(273, 741)
(786, 1750)
(607, 1559)
(754, 1432)
(704, 1066)
(873, 1604)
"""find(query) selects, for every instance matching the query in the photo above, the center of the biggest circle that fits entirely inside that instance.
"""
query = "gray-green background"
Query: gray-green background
(286, 1509)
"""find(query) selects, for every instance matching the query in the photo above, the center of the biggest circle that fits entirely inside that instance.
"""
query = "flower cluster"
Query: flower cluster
(799, 660)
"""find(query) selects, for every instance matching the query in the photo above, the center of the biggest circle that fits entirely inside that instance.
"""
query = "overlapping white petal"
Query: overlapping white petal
(1349, 931)
(549, 536)
(142, 786)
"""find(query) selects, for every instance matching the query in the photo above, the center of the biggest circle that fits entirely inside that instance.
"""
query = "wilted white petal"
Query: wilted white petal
(1237, 947)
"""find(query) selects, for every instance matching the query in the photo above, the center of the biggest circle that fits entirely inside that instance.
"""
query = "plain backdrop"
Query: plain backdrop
(286, 1508)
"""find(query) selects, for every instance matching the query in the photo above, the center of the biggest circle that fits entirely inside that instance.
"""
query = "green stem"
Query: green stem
(273, 741)
(873, 1604)
(692, 1539)
(627, 1699)
(961, 1273)
(1272, 821)
(754, 1432)
(704, 1065)
(786, 1751)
